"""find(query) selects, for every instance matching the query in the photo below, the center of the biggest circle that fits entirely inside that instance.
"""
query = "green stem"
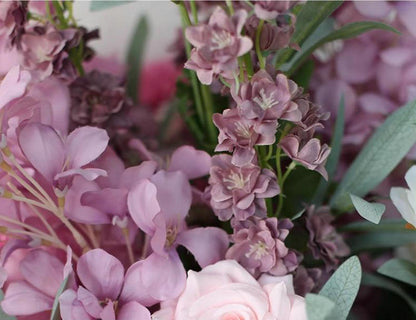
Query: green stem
(194, 11)
(207, 97)
(230, 6)
(258, 50)
(249, 65)
(281, 184)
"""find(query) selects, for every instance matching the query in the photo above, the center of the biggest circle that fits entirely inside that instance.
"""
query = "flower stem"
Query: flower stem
(128, 245)
(207, 96)
(281, 183)
(258, 50)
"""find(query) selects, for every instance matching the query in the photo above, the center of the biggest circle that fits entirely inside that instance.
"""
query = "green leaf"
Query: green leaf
(342, 287)
(309, 18)
(55, 315)
(98, 5)
(383, 283)
(380, 240)
(370, 211)
(3, 315)
(135, 57)
(390, 225)
(348, 31)
(318, 307)
(399, 269)
(333, 158)
(384, 150)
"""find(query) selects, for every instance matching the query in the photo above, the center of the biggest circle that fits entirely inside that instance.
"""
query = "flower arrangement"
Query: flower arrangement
(260, 174)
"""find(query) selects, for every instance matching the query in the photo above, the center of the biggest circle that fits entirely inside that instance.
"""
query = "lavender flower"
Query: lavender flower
(217, 44)
(324, 241)
(259, 246)
(270, 9)
(240, 135)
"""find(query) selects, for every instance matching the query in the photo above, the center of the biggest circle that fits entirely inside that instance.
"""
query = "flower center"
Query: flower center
(258, 249)
(235, 181)
(171, 234)
(242, 130)
(221, 40)
(265, 101)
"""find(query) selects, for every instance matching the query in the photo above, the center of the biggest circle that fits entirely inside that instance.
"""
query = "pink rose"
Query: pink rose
(226, 291)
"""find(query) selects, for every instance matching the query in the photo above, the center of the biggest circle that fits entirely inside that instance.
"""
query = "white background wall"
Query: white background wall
(117, 25)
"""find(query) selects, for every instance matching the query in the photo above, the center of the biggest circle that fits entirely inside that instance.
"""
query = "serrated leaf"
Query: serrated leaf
(369, 211)
(399, 269)
(98, 5)
(318, 307)
(348, 31)
(55, 315)
(342, 287)
(309, 18)
(135, 57)
(383, 283)
(333, 158)
(3, 315)
(381, 154)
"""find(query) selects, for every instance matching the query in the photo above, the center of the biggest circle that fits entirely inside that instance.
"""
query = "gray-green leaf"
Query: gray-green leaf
(342, 287)
(55, 315)
(385, 149)
(98, 5)
(399, 269)
(370, 211)
(318, 307)
(3, 315)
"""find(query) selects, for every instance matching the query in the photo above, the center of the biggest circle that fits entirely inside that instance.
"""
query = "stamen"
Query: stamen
(264, 101)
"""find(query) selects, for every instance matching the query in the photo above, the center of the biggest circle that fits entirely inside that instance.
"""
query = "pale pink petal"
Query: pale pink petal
(71, 308)
(133, 311)
(111, 201)
(133, 175)
(85, 144)
(90, 302)
(108, 312)
(89, 174)
(13, 85)
(406, 14)
(101, 273)
(373, 9)
(193, 163)
(43, 147)
(208, 245)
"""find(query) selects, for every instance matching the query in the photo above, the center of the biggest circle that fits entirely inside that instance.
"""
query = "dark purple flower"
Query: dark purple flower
(324, 241)
(240, 135)
(217, 44)
(270, 9)
(306, 280)
(240, 191)
(259, 246)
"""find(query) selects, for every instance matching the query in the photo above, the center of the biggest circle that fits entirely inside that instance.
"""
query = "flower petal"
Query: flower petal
(133, 311)
(193, 163)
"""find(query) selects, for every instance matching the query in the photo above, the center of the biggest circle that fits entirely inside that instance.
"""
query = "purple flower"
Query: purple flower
(306, 280)
(240, 135)
(159, 206)
(265, 99)
(324, 241)
(13, 18)
(240, 191)
(217, 44)
(309, 153)
(259, 246)
(270, 9)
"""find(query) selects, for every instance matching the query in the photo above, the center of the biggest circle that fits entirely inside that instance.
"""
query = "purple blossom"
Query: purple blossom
(259, 246)
(240, 135)
(240, 191)
(324, 241)
(217, 44)
(306, 280)
(270, 9)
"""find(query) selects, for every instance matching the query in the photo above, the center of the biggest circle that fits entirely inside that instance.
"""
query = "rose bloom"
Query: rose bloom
(226, 291)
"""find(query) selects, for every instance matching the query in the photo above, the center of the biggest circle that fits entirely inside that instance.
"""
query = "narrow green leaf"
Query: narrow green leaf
(333, 158)
(381, 240)
(55, 315)
(3, 315)
(309, 18)
(342, 287)
(135, 57)
(318, 307)
(399, 269)
(98, 5)
(389, 225)
(384, 150)
(369, 211)
(383, 283)
(348, 31)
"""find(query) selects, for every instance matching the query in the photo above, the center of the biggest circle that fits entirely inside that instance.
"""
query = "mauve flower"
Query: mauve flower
(58, 159)
(240, 191)
(42, 274)
(310, 153)
(159, 206)
(324, 241)
(217, 44)
(270, 9)
(226, 290)
(13, 85)
(102, 279)
(259, 246)
(13, 15)
(239, 135)
(266, 99)
(306, 280)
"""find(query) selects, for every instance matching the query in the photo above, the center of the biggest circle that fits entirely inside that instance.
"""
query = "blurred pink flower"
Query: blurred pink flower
(226, 290)
(270, 9)
(217, 44)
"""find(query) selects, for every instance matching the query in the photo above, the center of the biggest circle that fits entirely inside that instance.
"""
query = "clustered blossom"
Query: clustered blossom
(218, 44)
(259, 246)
